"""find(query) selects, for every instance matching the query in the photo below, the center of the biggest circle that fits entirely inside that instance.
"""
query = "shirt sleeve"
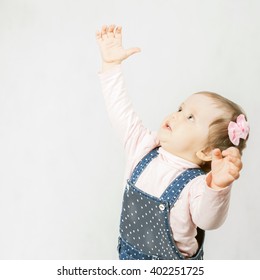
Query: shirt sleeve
(208, 207)
(135, 137)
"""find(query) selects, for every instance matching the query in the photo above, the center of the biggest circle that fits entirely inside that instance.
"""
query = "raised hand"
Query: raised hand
(225, 167)
(112, 52)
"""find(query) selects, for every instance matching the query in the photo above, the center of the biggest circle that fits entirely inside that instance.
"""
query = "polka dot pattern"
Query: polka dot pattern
(144, 224)
(144, 227)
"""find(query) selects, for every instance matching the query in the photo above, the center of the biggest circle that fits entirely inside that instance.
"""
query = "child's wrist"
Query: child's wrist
(106, 66)
(210, 183)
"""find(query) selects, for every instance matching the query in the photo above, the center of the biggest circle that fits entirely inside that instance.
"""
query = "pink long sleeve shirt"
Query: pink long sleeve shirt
(198, 204)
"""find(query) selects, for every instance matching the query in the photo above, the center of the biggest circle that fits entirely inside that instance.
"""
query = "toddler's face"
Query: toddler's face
(185, 132)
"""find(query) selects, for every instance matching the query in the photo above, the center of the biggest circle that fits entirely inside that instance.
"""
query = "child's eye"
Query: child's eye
(180, 109)
(190, 117)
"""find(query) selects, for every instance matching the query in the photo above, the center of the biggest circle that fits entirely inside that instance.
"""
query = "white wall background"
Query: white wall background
(61, 166)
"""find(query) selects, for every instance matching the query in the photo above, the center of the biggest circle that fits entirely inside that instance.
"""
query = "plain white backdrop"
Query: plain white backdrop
(61, 165)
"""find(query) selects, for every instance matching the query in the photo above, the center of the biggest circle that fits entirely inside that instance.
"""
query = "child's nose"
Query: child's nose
(174, 115)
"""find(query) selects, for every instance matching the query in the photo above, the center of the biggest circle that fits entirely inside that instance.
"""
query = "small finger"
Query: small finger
(104, 31)
(233, 151)
(118, 31)
(234, 173)
(236, 161)
(216, 154)
(98, 35)
(132, 51)
(110, 31)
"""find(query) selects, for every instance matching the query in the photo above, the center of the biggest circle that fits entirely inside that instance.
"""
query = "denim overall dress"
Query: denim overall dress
(145, 232)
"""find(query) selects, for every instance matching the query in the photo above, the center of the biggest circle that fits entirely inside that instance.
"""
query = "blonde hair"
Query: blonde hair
(218, 129)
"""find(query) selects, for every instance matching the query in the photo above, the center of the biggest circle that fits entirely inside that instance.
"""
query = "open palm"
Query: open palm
(110, 42)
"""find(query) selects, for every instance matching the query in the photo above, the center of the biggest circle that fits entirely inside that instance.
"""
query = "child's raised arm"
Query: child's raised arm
(110, 43)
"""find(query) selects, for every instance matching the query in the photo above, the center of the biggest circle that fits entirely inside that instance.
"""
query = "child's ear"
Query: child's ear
(204, 155)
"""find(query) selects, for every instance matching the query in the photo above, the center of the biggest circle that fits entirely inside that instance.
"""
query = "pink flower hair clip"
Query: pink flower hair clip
(238, 129)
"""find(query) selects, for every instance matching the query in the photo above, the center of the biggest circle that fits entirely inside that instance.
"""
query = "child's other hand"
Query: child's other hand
(110, 42)
(225, 167)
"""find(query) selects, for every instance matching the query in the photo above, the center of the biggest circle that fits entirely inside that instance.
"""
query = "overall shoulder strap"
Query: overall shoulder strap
(142, 164)
(173, 191)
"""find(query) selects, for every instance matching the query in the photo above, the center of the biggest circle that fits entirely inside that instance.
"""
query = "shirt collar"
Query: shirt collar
(175, 161)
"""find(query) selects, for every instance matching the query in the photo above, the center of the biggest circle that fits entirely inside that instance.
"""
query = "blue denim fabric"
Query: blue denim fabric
(145, 232)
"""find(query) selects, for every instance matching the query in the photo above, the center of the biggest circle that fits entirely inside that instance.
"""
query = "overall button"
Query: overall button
(161, 207)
